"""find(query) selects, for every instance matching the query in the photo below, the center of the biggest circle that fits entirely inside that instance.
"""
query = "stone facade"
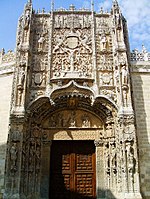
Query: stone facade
(75, 79)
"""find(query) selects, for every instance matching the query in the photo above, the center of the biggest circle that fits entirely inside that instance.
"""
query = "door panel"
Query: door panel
(72, 170)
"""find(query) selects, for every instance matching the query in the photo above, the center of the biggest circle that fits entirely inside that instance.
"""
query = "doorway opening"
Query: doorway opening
(73, 170)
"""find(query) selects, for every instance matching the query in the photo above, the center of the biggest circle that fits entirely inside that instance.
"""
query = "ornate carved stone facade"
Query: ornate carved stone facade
(72, 82)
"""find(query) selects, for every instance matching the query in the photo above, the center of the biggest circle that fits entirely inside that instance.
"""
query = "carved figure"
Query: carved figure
(27, 19)
(124, 75)
(145, 53)
(117, 19)
(116, 74)
(52, 121)
(31, 157)
(72, 120)
(41, 42)
(110, 130)
(85, 121)
(60, 120)
(58, 21)
(103, 41)
(113, 155)
(15, 136)
(59, 41)
(13, 156)
(144, 49)
(106, 78)
(21, 77)
(23, 61)
(38, 154)
(131, 163)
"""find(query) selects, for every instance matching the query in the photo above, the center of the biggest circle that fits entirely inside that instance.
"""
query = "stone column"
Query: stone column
(100, 176)
(45, 169)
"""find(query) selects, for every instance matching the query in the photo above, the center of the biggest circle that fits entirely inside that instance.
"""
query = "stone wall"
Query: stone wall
(5, 85)
(141, 95)
(6, 77)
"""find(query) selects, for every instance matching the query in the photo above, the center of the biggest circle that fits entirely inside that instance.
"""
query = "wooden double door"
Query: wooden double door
(72, 170)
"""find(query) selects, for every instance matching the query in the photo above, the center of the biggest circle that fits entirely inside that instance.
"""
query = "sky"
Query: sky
(137, 13)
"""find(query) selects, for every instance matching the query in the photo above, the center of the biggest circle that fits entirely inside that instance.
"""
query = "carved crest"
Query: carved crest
(72, 42)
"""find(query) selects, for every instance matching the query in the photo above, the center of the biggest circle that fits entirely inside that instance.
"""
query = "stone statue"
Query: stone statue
(103, 41)
(72, 120)
(86, 121)
(21, 78)
(13, 156)
(124, 75)
(145, 54)
(116, 74)
(117, 19)
(27, 19)
(38, 157)
(41, 42)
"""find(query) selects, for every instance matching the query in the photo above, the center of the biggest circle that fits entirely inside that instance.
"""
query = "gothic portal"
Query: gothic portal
(72, 132)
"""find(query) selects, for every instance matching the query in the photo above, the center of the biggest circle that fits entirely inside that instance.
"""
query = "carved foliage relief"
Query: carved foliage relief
(72, 47)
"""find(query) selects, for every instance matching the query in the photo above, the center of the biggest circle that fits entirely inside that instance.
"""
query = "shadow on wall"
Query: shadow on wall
(141, 103)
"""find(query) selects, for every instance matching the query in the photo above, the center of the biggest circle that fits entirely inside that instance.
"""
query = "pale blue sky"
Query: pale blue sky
(137, 13)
